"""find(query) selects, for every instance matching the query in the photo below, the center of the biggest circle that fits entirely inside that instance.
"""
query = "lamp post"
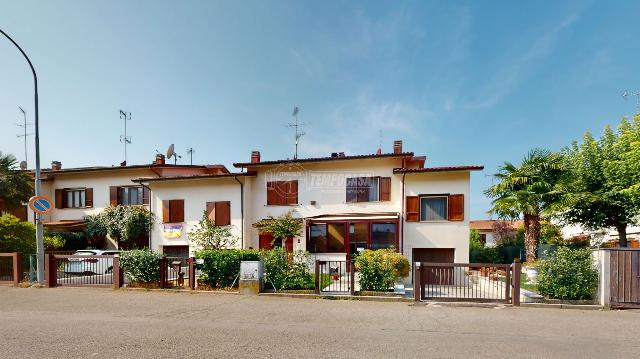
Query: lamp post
(39, 230)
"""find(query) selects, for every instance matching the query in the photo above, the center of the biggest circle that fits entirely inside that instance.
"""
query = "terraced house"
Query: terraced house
(348, 202)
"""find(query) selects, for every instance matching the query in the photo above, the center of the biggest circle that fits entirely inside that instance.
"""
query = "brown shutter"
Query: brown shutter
(176, 208)
(352, 190)
(456, 207)
(265, 241)
(88, 197)
(166, 211)
(113, 196)
(271, 193)
(282, 189)
(145, 195)
(211, 211)
(292, 194)
(223, 213)
(385, 188)
(413, 209)
(59, 199)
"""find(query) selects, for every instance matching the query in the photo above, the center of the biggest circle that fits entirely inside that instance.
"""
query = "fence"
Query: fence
(335, 277)
(79, 270)
(175, 272)
(10, 268)
(477, 282)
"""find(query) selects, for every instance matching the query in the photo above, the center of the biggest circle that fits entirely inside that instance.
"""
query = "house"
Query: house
(347, 203)
(485, 229)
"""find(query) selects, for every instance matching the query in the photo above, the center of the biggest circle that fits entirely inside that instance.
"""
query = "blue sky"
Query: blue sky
(478, 82)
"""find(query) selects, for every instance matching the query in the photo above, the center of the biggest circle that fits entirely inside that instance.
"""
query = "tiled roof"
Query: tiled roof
(196, 176)
(487, 224)
(438, 169)
(323, 159)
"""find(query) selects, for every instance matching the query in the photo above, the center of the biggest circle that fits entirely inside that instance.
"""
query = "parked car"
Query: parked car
(91, 264)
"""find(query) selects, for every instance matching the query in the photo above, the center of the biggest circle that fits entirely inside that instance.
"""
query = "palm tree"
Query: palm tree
(528, 191)
(16, 186)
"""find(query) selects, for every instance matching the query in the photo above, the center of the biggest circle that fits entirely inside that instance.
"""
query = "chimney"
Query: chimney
(159, 159)
(397, 147)
(56, 165)
(255, 156)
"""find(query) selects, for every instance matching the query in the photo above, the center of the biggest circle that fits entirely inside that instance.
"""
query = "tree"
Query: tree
(209, 236)
(17, 236)
(528, 190)
(603, 189)
(16, 186)
(283, 227)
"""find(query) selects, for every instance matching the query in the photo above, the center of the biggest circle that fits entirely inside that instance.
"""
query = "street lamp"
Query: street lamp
(39, 230)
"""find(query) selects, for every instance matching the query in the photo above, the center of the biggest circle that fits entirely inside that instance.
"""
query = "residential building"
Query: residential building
(485, 229)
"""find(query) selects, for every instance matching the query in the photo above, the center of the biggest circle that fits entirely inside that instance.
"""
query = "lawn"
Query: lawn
(525, 283)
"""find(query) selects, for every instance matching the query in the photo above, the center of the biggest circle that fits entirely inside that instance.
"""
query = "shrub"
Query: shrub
(287, 271)
(207, 235)
(486, 255)
(141, 265)
(550, 234)
(474, 240)
(96, 230)
(222, 266)
(72, 240)
(17, 236)
(379, 269)
(125, 223)
(568, 274)
(54, 241)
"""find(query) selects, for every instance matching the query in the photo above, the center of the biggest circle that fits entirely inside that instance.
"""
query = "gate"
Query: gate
(624, 278)
(471, 282)
(335, 277)
(80, 270)
(177, 272)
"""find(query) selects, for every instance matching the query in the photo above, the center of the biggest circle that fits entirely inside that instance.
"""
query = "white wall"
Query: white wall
(195, 193)
(442, 234)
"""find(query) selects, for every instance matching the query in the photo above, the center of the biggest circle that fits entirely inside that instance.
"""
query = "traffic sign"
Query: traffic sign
(40, 204)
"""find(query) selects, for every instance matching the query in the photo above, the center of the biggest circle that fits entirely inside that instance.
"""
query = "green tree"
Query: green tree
(283, 227)
(17, 236)
(16, 186)
(603, 189)
(207, 235)
(475, 243)
(528, 191)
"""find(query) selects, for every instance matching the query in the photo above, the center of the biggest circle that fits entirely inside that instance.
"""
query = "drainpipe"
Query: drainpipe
(151, 211)
(402, 217)
(241, 211)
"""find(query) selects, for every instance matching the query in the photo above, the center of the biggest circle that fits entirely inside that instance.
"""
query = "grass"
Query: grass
(525, 283)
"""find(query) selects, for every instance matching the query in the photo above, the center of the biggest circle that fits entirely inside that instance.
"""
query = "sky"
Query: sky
(477, 82)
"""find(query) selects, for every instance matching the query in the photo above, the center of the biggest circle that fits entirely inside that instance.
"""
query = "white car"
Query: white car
(90, 264)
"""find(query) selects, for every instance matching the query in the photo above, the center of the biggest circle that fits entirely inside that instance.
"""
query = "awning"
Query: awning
(354, 216)
(68, 224)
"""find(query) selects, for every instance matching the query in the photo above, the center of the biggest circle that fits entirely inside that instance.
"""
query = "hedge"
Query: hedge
(379, 269)
(141, 265)
(568, 274)
(222, 266)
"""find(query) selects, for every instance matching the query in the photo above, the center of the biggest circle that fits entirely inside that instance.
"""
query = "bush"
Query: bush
(96, 230)
(568, 274)
(474, 240)
(206, 235)
(379, 269)
(287, 271)
(222, 266)
(141, 265)
(124, 223)
(17, 236)
(486, 255)
(72, 240)
(53, 242)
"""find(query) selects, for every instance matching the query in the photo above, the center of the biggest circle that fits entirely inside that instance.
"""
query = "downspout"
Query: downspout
(402, 217)
(241, 211)
(150, 211)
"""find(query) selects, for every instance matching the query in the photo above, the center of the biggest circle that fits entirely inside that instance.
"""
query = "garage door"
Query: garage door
(436, 275)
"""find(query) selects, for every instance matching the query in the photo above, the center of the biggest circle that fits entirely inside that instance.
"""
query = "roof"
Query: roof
(114, 168)
(439, 169)
(487, 224)
(192, 177)
(67, 223)
(323, 159)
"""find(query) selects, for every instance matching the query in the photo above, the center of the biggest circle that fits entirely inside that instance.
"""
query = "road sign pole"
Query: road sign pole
(38, 187)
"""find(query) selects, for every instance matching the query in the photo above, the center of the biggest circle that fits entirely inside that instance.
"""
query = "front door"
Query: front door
(358, 234)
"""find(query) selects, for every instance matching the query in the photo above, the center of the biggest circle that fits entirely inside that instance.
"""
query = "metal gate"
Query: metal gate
(625, 278)
(79, 270)
(335, 277)
(472, 282)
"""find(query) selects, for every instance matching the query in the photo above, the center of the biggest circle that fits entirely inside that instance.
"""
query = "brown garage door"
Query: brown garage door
(176, 251)
(435, 275)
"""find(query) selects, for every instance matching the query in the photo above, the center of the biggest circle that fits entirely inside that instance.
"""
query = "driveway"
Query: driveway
(102, 323)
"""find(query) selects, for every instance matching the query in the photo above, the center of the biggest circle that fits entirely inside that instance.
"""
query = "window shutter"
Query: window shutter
(292, 194)
(113, 196)
(288, 245)
(456, 207)
(385, 188)
(282, 189)
(59, 199)
(145, 195)
(265, 241)
(271, 193)
(166, 211)
(88, 197)
(352, 190)
(176, 209)
(211, 211)
(223, 213)
(413, 209)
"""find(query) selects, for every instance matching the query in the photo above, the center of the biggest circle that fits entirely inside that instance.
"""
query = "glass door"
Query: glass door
(358, 236)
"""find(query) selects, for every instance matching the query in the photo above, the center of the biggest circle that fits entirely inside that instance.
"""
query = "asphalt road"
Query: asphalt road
(102, 323)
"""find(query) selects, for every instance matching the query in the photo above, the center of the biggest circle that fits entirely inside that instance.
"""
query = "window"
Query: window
(219, 212)
(433, 208)
(483, 238)
(74, 198)
(282, 193)
(368, 189)
(332, 237)
(128, 195)
(383, 235)
(327, 238)
(173, 211)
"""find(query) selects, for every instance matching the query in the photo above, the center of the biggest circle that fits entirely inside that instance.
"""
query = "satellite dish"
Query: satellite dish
(23, 165)
(625, 95)
(170, 151)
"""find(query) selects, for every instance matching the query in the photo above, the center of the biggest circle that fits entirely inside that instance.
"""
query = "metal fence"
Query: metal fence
(79, 270)
(477, 282)
(335, 277)
(177, 272)
(7, 270)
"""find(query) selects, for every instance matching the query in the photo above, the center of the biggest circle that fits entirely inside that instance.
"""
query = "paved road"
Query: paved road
(102, 323)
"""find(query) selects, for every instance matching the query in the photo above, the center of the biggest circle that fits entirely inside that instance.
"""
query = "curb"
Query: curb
(462, 305)
(168, 290)
(562, 306)
(339, 297)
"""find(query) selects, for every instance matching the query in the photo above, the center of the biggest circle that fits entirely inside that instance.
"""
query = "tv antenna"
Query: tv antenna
(190, 151)
(296, 125)
(172, 153)
(25, 134)
(124, 138)
(379, 151)
(626, 94)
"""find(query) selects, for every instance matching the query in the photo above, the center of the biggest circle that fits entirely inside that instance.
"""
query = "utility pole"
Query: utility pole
(295, 125)
(38, 184)
(25, 134)
(124, 138)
